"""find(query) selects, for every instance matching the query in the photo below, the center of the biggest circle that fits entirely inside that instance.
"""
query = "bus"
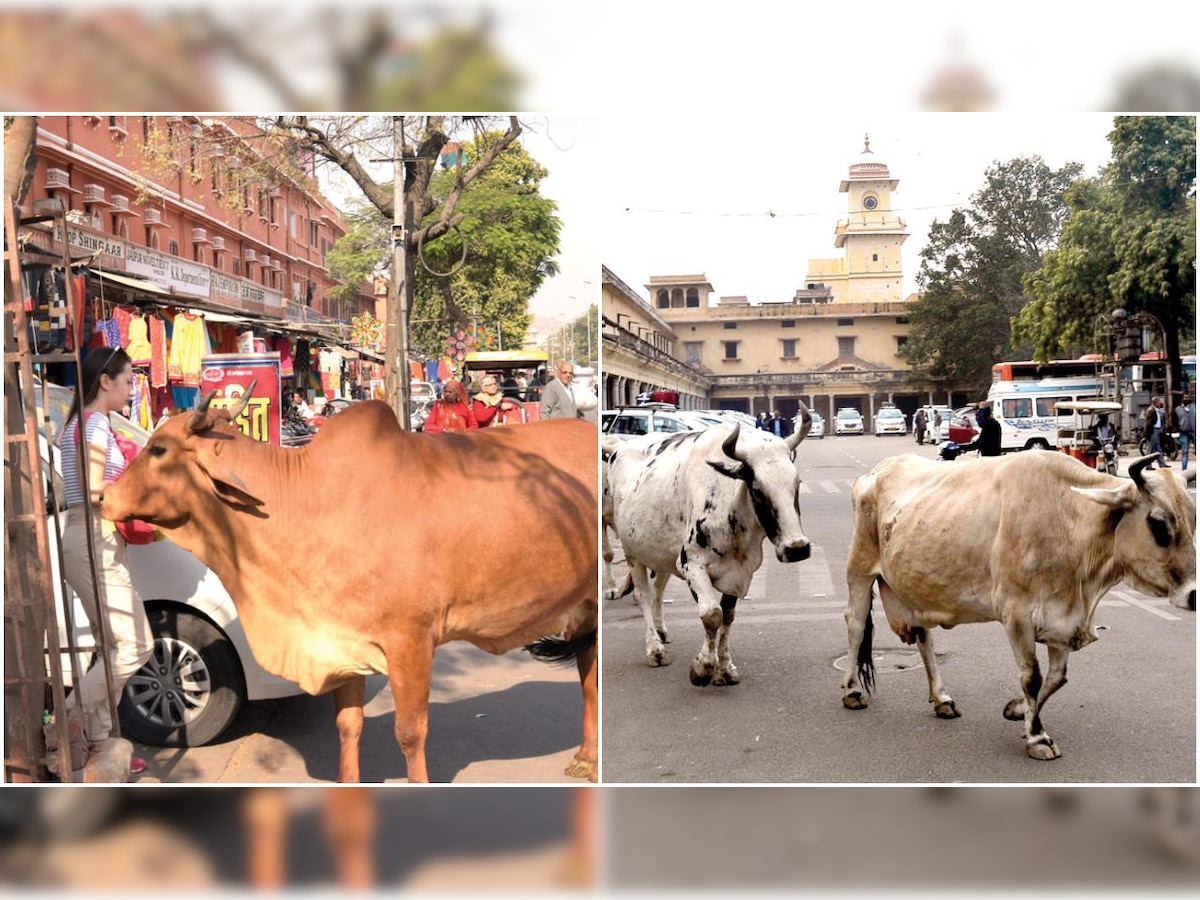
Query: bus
(1026, 413)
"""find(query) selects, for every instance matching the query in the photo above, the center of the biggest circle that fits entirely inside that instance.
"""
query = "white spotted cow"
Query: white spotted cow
(1032, 540)
(698, 505)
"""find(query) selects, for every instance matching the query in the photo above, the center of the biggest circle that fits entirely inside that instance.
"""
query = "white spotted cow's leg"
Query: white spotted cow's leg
(649, 600)
(656, 613)
(610, 586)
(727, 672)
(712, 617)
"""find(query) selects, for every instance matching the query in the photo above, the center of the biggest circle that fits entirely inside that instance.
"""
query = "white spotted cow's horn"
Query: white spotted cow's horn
(794, 439)
(729, 446)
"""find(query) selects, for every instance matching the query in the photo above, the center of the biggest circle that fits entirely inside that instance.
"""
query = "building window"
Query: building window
(237, 267)
(845, 321)
(120, 227)
(731, 349)
(262, 203)
(730, 326)
(314, 233)
(693, 298)
(845, 346)
(664, 299)
(874, 257)
(901, 320)
(901, 340)
(788, 323)
(693, 352)
(677, 298)
(789, 349)
(152, 238)
(198, 252)
(173, 248)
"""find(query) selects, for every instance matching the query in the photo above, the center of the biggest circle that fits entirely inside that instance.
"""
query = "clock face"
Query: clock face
(870, 202)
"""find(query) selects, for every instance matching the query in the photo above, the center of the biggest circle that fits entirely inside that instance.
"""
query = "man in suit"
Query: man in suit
(557, 402)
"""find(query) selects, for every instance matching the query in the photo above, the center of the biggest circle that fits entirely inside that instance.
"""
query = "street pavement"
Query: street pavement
(1127, 714)
(506, 719)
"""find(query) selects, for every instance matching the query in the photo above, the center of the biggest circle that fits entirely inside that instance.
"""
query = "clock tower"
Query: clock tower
(870, 236)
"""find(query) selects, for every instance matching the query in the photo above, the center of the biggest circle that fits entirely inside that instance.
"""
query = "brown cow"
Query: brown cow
(359, 553)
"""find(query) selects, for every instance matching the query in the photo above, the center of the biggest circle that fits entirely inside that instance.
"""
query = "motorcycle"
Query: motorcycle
(1169, 441)
(1106, 458)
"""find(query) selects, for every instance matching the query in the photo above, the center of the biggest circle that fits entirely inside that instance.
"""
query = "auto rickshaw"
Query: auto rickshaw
(504, 363)
(1077, 440)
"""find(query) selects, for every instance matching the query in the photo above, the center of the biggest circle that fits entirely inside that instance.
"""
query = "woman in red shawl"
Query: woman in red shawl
(452, 412)
(490, 406)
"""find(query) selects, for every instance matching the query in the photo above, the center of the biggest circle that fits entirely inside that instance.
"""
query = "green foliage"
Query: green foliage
(511, 234)
(355, 257)
(456, 69)
(578, 340)
(972, 269)
(1130, 242)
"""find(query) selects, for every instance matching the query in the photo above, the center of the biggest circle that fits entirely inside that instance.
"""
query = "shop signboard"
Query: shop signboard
(168, 272)
(230, 374)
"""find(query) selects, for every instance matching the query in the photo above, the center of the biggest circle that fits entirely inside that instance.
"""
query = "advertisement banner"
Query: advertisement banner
(230, 374)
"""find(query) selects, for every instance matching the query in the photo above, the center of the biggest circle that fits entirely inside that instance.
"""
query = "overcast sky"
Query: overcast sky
(749, 199)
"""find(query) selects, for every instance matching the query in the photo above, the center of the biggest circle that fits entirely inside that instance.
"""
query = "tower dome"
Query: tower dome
(868, 165)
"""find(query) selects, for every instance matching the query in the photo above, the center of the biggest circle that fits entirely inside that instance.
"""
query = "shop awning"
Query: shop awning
(128, 281)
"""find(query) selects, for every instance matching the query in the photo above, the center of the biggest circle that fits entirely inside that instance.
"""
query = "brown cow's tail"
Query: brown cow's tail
(558, 651)
(866, 666)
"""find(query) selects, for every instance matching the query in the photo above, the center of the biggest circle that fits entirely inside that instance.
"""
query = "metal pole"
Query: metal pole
(400, 290)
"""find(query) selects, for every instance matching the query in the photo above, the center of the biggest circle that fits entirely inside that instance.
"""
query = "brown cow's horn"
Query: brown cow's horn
(729, 446)
(246, 395)
(199, 420)
(1136, 468)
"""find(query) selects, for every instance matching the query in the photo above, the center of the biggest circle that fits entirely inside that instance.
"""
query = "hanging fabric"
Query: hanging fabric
(158, 351)
(138, 348)
(189, 342)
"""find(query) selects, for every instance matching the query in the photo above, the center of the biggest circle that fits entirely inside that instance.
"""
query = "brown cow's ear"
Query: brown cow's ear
(227, 484)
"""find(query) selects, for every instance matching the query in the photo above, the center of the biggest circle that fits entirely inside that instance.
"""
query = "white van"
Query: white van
(1026, 413)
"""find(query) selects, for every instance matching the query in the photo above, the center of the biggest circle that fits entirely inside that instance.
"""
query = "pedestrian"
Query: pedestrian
(557, 402)
(112, 604)
(490, 406)
(937, 427)
(533, 390)
(780, 425)
(764, 421)
(452, 412)
(988, 440)
(1185, 414)
(301, 407)
(919, 425)
(1155, 422)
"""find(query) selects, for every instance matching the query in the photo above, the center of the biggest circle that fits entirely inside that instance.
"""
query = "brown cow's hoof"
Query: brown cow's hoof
(1044, 749)
(947, 710)
(1014, 711)
(700, 677)
(581, 768)
(854, 700)
(728, 676)
(659, 657)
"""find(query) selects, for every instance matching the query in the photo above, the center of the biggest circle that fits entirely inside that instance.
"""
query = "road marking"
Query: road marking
(1129, 598)
(830, 488)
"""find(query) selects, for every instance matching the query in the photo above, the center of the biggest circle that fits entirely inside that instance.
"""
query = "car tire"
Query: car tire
(159, 708)
(1039, 444)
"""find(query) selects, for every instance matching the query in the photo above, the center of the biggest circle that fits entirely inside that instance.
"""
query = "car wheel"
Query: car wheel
(190, 689)
(1038, 444)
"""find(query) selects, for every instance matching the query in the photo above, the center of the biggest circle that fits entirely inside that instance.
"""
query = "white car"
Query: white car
(934, 434)
(633, 421)
(202, 670)
(889, 420)
(848, 421)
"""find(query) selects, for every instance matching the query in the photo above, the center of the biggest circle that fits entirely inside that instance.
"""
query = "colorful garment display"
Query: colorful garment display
(189, 342)
(158, 351)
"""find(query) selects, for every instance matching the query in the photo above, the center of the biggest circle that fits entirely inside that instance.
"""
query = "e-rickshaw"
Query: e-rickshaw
(1078, 439)
(503, 364)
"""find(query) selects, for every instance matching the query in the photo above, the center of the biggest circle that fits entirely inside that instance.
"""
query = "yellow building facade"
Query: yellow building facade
(835, 343)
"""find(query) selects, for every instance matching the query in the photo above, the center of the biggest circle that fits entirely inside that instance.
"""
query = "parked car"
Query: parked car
(889, 420)
(848, 421)
(202, 669)
(963, 427)
(632, 421)
(935, 435)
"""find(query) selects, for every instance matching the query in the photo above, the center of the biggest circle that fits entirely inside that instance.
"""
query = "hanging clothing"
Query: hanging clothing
(123, 316)
(189, 342)
(139, 348)
(158, 351)
(284, 347)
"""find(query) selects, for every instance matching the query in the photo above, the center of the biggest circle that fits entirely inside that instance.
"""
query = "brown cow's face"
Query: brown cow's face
(177, 473)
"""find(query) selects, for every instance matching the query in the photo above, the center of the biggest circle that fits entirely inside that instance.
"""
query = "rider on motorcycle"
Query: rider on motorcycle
(1104, 443)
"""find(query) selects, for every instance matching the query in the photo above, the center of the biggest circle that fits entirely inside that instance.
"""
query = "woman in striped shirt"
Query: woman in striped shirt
(106, 381)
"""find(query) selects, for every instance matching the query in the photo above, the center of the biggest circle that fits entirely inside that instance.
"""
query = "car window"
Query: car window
(663, 424)
(629, 425)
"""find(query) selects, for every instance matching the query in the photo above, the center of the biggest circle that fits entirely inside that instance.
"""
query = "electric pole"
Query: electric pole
(401, 289)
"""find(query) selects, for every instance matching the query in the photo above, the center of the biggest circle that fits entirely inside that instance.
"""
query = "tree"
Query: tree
(481, 278)
(1130, 242)
(972, 268)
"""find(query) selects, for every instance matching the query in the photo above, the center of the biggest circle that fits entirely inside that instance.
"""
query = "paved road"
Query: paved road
(506, 719)
(1127, 715)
